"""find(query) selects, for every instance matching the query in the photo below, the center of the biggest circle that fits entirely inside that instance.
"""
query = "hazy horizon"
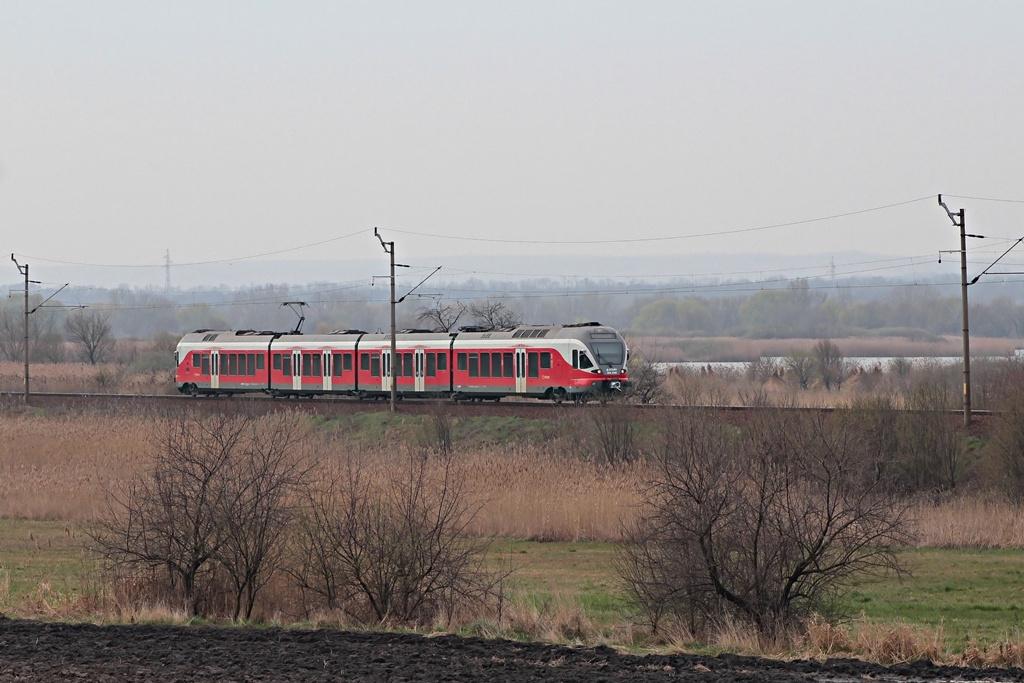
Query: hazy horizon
(235, 132)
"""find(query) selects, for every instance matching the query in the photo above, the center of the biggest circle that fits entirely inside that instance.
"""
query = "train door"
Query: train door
(520, 371)
(419, 363)
(296, 370)
(214, 369)
(385, 370)
(326, 365)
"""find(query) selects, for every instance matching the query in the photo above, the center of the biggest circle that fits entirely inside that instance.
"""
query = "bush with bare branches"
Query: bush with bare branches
(766, 524)
(210, 512)
(389, 545)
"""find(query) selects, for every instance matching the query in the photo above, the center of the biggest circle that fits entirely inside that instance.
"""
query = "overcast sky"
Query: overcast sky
(219, 130)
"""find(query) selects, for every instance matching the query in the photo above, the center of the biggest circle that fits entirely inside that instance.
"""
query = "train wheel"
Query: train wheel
(559, 395)
(193, 390)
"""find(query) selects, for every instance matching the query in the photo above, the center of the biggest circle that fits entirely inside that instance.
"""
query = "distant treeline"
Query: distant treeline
(800, 309)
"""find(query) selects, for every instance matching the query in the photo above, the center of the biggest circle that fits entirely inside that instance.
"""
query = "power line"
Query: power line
(197, 263)
(985, 199)
(670, 238)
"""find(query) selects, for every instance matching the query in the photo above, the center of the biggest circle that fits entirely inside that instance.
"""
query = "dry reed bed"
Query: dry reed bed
(59, 467)
(82, 377)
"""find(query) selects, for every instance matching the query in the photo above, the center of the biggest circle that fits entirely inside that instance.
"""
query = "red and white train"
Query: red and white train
(539, 361)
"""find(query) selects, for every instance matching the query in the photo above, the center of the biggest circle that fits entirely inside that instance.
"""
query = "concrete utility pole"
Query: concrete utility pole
(23, 269)
(960, 222)
(389, 248)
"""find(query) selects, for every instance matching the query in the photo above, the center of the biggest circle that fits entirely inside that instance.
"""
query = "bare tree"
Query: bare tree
(828, 364)
(264, 478)
(799, 368)
(443, 316)
(91, 334)
(495, 315)
(391, 546)
(768, 525)
(214, 503)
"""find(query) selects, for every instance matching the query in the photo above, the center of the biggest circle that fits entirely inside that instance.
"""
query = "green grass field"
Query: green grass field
(972, 595)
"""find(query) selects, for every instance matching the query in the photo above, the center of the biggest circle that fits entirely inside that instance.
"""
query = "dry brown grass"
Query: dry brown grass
(979, 521)
(543, 497)
(59, 467)
(84, 378)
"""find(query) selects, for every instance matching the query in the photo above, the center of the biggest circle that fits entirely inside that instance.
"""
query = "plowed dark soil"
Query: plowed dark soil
(35, 651)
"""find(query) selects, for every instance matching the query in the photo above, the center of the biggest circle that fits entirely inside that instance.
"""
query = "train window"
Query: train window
(474, 365)
(277, 361)
(196, 359)
(485, 365)
(347, 358)
(398, 365)
(462, 362)
(214, 363)
(206, 364)
(250, 364)
(531, 364)
(316, 365)
(364, 362)
(338, 362)
(231, 364)
(609, 353)
(545, 360)
(259, 363)
(408, 364)
(431, 365)
(510, 370)
(305, 365)
(286, 364)
(442, 362)
(585, 363)
(495, 365)
(375, 366)
(575, 358)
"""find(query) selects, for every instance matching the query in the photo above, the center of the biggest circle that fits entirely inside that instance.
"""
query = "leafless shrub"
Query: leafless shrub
(210, 512)
(799, 368)
(615, 433)
(762, 370)
(1007, 443)
(766, 524)
(436, 433)
(646, 379)
(390, 546)
(933, 453)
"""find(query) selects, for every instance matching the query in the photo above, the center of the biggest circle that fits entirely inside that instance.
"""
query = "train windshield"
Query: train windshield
(609, 353)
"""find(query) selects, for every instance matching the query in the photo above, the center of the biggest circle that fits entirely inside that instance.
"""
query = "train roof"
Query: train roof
(206, 336)
(573, 331)
(584, 331)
